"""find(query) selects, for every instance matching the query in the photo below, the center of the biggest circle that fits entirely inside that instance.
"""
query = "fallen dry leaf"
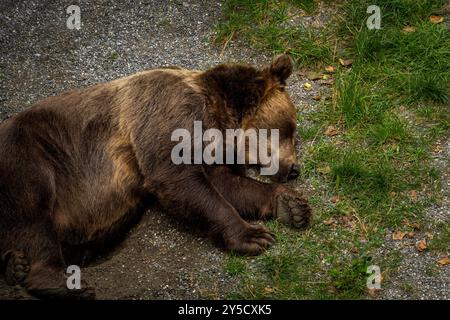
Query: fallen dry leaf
(317, 98)
(421, 245)
(398, 235)
(311, 75)
(444, 261)
(331, 131)
(269, 290)
(373, 292)
(413, 194)
(329, 221)
(327, 82)
(348, 222)
(436, 19)
(325, 77)
(346, 63)
(392, 194)
(414, 225)
(429, 235)
(302, 72)
(334, 199)
(332, 289)
(410, 234)
(438, 148)
(307, 86)
(409, 29)
(330, 69)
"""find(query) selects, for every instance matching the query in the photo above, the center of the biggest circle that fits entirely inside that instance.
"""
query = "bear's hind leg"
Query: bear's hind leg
(36, 262)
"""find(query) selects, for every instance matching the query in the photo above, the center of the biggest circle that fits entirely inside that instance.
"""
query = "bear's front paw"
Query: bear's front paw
(292, 209)
(254, 239)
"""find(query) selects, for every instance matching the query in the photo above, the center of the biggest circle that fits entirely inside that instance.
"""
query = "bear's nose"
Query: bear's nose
(295, 171)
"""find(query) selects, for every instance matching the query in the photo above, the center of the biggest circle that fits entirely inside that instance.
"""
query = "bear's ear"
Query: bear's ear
(281, 68)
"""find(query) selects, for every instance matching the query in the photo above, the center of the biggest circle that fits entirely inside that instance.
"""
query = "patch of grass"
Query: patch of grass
(235, 265)
(431, 270)
(408, 287)
(266, 25)
(113, 56)
(308, 133)
(414, 64)
(390, 129)
(350, 280)
(351, 174)
(308, 5)
(389, 107)
(351, 99)
(441, 241)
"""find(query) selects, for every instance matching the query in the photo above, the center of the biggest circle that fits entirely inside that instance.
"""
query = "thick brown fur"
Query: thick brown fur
(75, 168)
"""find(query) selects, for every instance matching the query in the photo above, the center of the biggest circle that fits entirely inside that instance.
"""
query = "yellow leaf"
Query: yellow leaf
(444, 261)
(436, 19)
(398, 235)
(421, 245)
(307, 86)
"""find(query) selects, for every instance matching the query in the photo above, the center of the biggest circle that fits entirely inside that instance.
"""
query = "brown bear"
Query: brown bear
(74, 168)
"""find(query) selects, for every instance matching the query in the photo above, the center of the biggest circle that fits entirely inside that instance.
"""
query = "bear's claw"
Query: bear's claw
(254, 240)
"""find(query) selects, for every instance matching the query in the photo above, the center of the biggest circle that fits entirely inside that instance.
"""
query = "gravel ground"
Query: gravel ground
(161, 258)
(419, 276)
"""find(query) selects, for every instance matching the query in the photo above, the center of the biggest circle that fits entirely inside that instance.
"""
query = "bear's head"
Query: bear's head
(257, 99)
(276, 111)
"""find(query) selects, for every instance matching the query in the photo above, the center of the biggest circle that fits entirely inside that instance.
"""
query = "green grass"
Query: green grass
(390, 106)
(441, 241)
(265, 25)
